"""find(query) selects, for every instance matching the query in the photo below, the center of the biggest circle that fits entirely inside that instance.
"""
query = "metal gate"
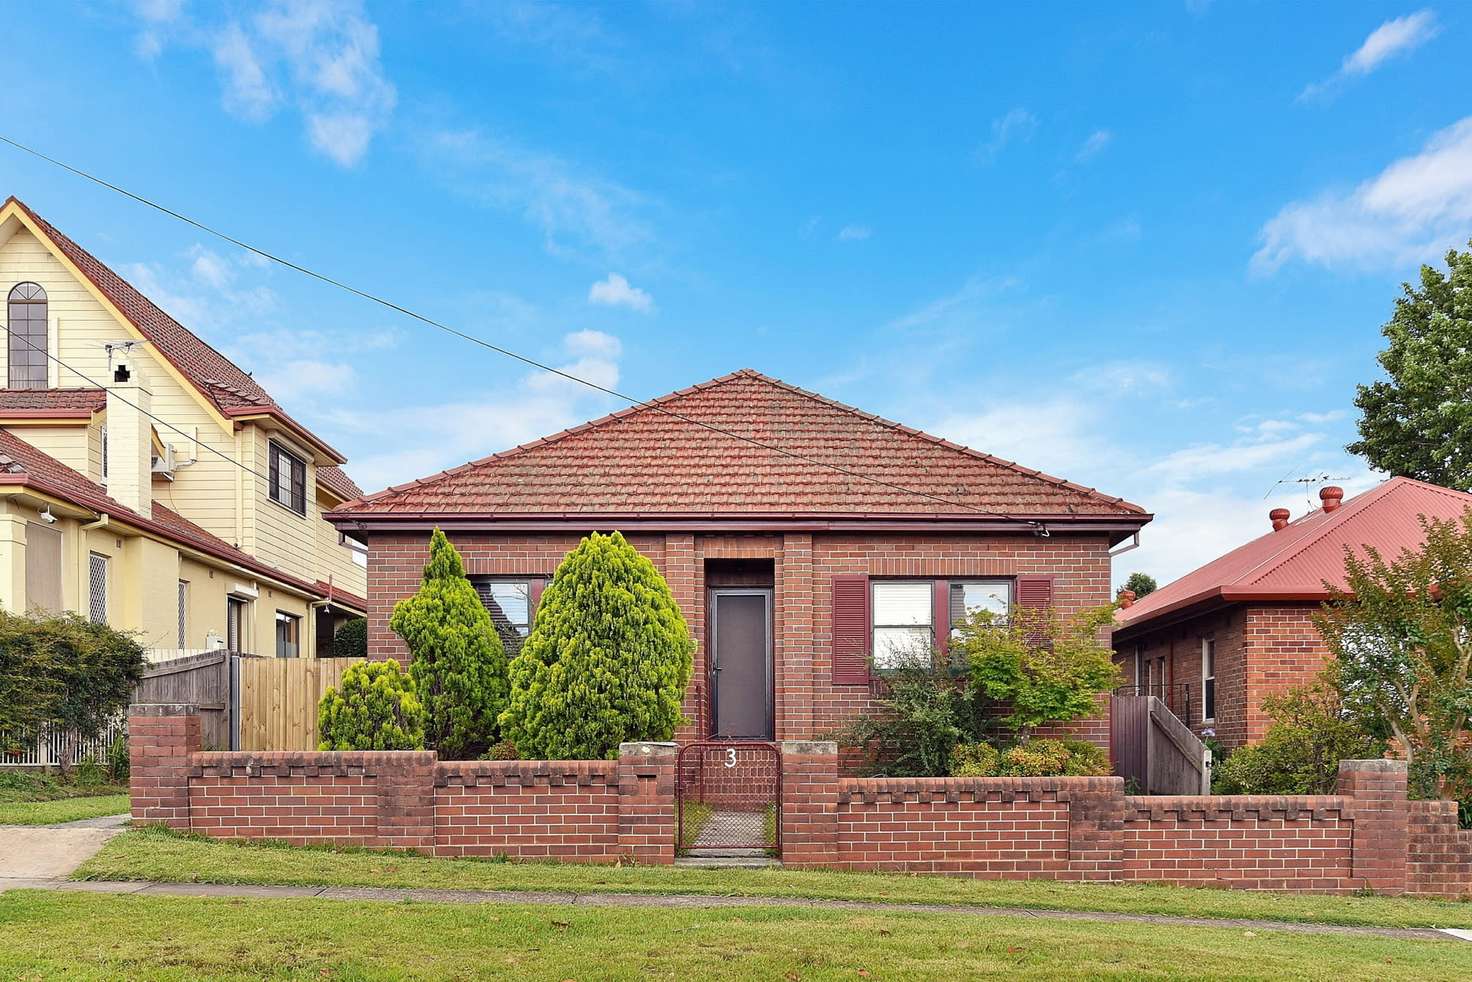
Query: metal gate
(728, 795)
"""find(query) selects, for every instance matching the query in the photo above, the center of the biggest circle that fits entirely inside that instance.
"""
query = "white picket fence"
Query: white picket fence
(45, 749)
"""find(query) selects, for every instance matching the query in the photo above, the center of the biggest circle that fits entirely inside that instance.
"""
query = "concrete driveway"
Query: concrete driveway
(51, 852)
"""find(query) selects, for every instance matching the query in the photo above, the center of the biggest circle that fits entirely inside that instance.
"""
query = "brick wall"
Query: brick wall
(807, 701)
(1439, 858)
(1071, 828)
(1261, 649)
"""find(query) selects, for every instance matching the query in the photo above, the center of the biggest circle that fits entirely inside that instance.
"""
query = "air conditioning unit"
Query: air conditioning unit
(164, 464)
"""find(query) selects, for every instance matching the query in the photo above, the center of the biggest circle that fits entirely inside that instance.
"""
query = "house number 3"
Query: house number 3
(730, 756)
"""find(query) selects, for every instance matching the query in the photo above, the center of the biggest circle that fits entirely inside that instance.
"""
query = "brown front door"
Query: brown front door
(741, 663)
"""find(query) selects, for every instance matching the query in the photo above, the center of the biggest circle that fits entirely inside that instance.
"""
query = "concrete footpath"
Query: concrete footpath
(53, 851)
(693, 901)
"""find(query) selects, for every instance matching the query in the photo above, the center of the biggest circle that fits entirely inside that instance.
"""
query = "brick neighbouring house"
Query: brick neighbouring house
(1241, 627)
(787, 571)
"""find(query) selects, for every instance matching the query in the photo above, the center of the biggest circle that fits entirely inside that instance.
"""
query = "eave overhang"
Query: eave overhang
(1213, 599)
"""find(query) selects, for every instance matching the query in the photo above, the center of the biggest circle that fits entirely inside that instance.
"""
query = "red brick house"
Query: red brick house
(1218, 640)
(805, 550)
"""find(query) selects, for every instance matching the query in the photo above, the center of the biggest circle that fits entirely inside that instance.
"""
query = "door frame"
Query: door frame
(713, 666)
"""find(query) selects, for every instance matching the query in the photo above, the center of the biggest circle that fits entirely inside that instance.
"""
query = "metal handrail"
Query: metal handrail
(1175, 695)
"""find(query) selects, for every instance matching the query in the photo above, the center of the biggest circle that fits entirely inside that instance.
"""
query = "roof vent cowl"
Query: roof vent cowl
(1331, 497)
(1279, 518)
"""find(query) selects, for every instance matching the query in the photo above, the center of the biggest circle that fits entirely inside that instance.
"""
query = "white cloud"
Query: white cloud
(572, 208)
(854, 233)
(1060, 436)
(1097, 142)
(615, 291)
(435, 437)
(1208, 459)
(1017, 125)
(963, 307)
(320, 56)
(1394, 37)
(309, 379)
(1410, 212)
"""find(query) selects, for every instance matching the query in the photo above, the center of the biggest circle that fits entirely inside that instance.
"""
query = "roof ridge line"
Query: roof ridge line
(941, 441)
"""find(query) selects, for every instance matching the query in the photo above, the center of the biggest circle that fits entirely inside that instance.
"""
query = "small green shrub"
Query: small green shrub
(375, 708)
(505, 750)
(1031, 758)
(920, 716)
(116, 764)
(351, 640)
(457, 661)
(1301, 750)
(607, 660)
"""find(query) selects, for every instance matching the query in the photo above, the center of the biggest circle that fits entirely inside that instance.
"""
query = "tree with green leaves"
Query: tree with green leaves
(373, 707)
(1401, 635)
(1143, 584)
(1041, 666)
(351, 639)
(607, 660)
(1419, 422)
(66, 673)
(456, 658)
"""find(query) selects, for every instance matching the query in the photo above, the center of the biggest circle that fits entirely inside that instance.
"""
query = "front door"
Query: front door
(741, 662)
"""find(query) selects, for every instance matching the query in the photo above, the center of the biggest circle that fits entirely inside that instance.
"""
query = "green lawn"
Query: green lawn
(153, 854)
(84, 936)
(34, 798)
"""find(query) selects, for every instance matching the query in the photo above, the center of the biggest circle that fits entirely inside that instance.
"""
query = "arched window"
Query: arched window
(27, 327)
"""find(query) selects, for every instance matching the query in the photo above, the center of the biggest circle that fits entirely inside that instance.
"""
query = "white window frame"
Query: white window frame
(1208, 659)
(296, 621)
(98, 573)
(992, 581)
(875, 627)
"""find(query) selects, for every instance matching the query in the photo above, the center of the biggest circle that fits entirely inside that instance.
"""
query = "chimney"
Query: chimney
(129, 431)
(1331, 497)
(1279, 517)
(1125, 597)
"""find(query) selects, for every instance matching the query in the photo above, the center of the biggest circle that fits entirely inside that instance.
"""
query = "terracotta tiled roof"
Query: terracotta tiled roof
(336, 480)
(23, 463)
(642, 460)
(1295, 561)
(341, 596)
(221, 381)
(49, 402)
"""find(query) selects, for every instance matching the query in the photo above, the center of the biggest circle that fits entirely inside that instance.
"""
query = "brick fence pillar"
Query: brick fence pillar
(809, 803)
(646, 802)
(1381, 822)
(161, 739)
(1096, 828)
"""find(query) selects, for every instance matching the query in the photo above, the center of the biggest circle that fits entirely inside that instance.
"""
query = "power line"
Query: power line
(127, 402)
(524, 359)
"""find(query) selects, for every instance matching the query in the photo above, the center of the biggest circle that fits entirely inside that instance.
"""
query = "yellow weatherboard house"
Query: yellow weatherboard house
(146, 480)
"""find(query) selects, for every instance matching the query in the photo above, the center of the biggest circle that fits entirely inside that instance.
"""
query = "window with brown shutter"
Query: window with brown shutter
(1035, 593)
(851, 630)
(288, 474)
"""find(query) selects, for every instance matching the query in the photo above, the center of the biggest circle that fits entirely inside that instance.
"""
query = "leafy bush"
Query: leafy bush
(351, 639)
(66, 672)
(607, 660)
(1033, 758)
(922, 713)
(117, 763)
(505, 750)
(374, 708)
(1300, 753)
(457, 661)
(1043, 668)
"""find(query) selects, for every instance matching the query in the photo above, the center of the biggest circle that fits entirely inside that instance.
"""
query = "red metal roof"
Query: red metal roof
(1295, 562)
(21, 463)
(232, 391)
(48, 403)
(643, 460)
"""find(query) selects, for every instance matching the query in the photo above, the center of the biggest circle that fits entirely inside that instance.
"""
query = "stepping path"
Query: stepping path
(688, 901)
(29, 852)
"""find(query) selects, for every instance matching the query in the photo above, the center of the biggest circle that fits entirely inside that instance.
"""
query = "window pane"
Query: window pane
(993, 596)
(902, 602)
(897, 647)
(286, 635)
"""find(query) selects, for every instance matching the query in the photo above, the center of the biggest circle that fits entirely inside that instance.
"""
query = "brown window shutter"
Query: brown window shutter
(1034, 591)
(851, 629)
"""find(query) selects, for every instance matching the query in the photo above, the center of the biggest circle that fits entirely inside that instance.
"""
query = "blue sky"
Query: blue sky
(1147, 251)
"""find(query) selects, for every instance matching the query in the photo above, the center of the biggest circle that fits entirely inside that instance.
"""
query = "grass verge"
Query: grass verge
(62, 810)
(155, 854)
(78, 936)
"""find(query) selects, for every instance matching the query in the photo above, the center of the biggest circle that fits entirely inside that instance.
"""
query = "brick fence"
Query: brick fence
(1064, 828)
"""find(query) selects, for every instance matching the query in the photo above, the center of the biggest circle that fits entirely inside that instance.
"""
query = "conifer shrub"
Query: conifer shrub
(373, 708)
(456, 658)
(607, 660)
(351, 640)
